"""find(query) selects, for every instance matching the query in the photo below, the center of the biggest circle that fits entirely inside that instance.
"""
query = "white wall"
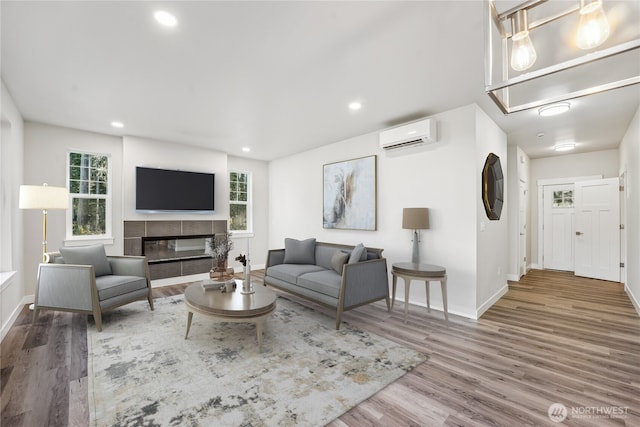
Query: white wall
(12, 290)
(168, 155)
(259, 243)
(444, 177)
(492, 236)
(46, 151)
(603, 163)
(630, 162)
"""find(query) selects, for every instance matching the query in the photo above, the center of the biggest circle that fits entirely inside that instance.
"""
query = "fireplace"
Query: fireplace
(173, 248)
(159, 249)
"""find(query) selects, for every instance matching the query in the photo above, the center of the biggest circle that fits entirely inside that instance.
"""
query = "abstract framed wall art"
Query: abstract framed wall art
(350, 194)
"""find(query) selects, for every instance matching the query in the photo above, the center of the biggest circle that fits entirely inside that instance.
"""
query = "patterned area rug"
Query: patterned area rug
(143, 372)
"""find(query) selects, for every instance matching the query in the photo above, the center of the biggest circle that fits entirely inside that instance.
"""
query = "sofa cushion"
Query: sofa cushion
(291, 272)
(359, 253)
(324, 254)
(88, 255)
(299, 251)
(326, 282)
(113, 286)
(338, 260)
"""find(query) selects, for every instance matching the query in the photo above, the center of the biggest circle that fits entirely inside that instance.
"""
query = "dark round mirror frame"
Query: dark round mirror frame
(492, 187)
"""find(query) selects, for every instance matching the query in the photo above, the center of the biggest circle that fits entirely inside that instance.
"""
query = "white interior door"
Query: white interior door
(522, 226)
(597, 235)
(558, 253)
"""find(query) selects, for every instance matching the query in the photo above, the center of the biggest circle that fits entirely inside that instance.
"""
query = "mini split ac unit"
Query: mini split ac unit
(411, 135)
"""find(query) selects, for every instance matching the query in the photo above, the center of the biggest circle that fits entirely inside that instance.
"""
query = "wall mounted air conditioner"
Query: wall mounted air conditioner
(411, 135)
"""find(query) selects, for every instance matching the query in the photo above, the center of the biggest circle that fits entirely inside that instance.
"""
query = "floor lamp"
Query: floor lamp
(46, 198)
(415, 219)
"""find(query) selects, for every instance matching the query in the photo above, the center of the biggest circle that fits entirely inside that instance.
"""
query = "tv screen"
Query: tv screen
(173, 190)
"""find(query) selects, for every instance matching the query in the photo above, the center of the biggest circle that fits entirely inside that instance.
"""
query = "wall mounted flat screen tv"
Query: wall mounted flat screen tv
(163, 190)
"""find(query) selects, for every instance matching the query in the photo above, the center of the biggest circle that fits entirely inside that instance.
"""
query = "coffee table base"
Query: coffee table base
(258, 320)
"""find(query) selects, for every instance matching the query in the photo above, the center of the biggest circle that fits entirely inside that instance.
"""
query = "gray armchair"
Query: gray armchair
(85, 280)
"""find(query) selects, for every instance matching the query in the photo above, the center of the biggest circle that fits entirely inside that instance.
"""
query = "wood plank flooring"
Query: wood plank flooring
(553, 338)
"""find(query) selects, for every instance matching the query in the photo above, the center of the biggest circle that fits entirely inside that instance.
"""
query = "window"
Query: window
(563, 199)
(239, 201)
(89, 179)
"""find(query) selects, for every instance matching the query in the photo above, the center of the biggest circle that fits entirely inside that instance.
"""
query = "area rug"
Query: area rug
(142, 372)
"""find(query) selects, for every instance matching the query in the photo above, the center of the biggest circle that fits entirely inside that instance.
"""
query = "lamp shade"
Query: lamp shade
(43, 197)
(415, 218)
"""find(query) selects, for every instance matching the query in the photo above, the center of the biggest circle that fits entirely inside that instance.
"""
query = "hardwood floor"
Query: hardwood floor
(553, 338)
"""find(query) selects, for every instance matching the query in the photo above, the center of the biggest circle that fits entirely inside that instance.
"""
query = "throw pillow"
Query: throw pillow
(88, 255)
(338, 260)
(299, 251)
(359, 253)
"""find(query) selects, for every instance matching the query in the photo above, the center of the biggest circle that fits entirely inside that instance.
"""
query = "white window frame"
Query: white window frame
(248, 203)
(107, 237)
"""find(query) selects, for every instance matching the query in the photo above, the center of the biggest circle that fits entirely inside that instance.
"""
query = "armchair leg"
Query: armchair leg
(388, 303)
(338, 318)
(150, 298)
(97, 316)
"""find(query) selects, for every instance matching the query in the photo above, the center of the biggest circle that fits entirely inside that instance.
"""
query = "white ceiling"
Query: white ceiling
(273, 76)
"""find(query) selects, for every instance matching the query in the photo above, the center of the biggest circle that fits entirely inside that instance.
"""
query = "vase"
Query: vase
(221, 268)
(247, 286)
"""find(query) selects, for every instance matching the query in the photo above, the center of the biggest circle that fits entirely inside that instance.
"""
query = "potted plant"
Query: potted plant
(221, 245)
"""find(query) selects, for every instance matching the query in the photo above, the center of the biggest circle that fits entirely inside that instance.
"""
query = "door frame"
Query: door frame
(541, 183)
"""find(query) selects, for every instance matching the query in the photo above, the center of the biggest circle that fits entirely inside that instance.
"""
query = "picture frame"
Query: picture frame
(349, 194)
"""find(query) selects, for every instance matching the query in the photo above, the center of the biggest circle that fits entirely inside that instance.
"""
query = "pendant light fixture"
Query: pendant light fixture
(593, 29)
(565, 69)
(523, 54)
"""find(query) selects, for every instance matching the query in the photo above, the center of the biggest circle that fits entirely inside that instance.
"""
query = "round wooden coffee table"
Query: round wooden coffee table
(230, 306)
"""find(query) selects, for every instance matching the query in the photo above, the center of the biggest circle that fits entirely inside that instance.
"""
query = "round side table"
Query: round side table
(409, 271)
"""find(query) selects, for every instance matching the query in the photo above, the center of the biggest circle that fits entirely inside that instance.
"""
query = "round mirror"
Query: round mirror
(492, 187)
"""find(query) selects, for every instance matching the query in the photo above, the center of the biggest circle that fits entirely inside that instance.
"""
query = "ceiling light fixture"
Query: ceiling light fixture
(554, 109)
(514, 86)
(246, 149)
(564, 147)
(165, 18)
(117, 124)
(523, 54)
(593, 29)
(355, 106)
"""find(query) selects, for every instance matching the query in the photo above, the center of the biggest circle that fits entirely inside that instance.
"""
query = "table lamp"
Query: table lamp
(415, 219)
(46, 198)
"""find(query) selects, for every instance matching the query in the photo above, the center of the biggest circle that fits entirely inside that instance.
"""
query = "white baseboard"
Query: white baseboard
(632, 297)
(534, 267)
(492, 300)
(27, 299)
(513, 277)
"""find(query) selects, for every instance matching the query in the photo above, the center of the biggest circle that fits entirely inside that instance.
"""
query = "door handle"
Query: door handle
(579, 233)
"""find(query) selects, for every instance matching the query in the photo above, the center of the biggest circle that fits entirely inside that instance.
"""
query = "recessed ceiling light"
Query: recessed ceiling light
(564, 147)
(117, 124)
(554, 109)
(246, 149)
(165, 18)
(355, 106)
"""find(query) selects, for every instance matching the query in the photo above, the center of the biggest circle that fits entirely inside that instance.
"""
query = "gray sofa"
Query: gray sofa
(337, 276)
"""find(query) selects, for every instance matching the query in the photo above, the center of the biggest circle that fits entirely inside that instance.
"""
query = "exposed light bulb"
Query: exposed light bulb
(593, 29)
(523, 54)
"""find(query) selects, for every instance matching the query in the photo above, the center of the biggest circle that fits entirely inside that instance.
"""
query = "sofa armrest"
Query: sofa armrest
(364, 281)
(66, 286)
(275, 257)
(129, 266)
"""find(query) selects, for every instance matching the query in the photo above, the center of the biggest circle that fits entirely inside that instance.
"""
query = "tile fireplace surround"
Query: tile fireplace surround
(173, 248)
